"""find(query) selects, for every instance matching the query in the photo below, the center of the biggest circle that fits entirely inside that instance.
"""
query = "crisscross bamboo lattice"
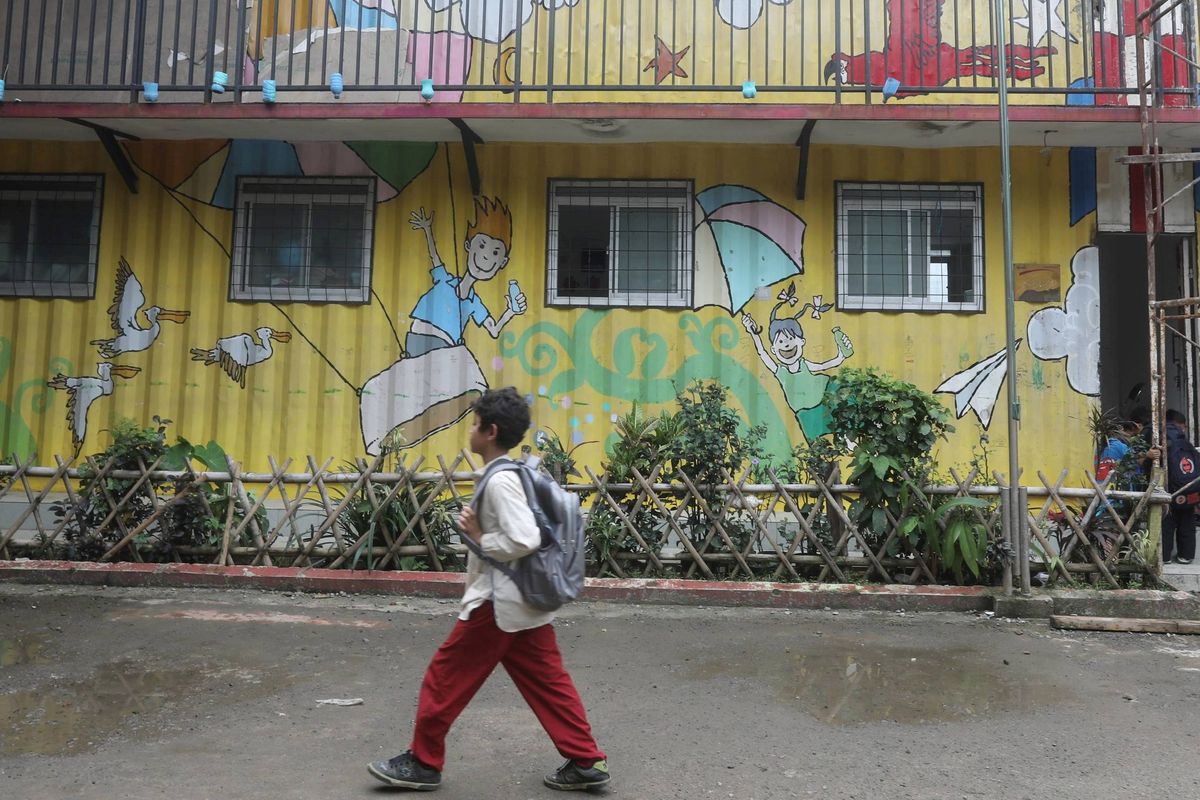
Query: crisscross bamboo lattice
(366, 516)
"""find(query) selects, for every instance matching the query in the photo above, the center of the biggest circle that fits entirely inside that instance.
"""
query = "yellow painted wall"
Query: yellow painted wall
(295, 405)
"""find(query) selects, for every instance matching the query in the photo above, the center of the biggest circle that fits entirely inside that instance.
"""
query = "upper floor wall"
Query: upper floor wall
(534, 51)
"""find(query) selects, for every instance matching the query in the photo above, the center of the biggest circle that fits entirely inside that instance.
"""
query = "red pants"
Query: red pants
(531, 659)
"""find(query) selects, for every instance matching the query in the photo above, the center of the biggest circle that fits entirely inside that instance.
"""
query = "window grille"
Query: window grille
(303, 239)
(910, 247)
(49, 235)
(620, 243)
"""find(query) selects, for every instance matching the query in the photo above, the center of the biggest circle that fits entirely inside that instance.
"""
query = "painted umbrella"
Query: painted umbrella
(744, 241)
(214, 170)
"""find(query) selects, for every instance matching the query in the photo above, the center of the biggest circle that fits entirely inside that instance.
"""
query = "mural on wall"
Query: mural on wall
(1037, 283)
(803, 387)
(666, 61)
(85, 390)
(744, 242)
(434, 383)
(914, 55)
(235, 353)
(30, 397)
(634, 365)
(1071, 332)
(128, 302)
(977, 388)
(1044, 18)
(213, 179)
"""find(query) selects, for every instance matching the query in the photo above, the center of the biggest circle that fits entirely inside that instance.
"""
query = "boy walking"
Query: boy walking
(496, 626)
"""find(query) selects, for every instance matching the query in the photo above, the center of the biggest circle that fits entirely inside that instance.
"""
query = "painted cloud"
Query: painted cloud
(1073, 330)
(489, 20)
(743, 13)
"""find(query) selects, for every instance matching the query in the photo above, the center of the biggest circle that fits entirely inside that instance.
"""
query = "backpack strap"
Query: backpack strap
(507, 465)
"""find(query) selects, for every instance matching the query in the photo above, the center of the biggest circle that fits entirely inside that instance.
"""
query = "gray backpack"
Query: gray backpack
(553, 574)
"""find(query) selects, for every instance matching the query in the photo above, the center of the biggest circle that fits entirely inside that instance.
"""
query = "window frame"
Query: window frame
(605, 191)
(846, 301)
(45, 184)
(239, 273)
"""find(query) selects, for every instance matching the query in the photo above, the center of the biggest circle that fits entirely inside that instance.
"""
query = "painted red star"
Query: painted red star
(666, 62)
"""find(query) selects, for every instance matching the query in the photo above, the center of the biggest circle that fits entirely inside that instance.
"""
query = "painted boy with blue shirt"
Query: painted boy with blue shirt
(440, 317)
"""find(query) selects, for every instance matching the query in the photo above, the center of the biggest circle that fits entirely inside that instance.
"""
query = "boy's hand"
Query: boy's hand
(519, 304)
(420, 221)
(750, 325)
(469, 524)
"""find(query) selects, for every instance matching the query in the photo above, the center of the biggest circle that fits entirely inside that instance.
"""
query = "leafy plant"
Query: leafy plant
(712, 442)
(642, 441)
(369, 513)
(94, 528)
(891, 427)
(556, 459)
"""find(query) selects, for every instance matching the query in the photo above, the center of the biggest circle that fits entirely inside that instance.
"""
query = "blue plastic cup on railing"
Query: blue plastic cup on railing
(749, 90)
(890, 87)
(268, 91)
(220, 79)
(336, 85)
(1, 89)
(150, 91)
(427, 89)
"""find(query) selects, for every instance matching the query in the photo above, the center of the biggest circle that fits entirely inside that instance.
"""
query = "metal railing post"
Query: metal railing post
(139, 46)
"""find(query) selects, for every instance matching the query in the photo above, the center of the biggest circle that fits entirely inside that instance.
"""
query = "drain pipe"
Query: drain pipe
(1016, 517)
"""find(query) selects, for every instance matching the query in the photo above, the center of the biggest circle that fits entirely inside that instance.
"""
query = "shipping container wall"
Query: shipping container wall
(173, 330)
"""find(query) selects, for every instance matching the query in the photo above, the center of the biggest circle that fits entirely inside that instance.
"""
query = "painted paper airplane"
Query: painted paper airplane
(978, 386)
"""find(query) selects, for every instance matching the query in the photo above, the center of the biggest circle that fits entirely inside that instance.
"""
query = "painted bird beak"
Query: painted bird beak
(281, 336)
(831, 69)
(125, 371)
(174, 316)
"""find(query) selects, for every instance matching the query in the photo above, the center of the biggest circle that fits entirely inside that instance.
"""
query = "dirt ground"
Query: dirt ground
(190, 694)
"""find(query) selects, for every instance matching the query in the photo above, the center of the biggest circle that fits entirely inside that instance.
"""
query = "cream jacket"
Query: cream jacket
(509, 532)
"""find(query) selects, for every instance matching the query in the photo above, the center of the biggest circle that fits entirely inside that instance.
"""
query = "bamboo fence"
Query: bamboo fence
(363, 516)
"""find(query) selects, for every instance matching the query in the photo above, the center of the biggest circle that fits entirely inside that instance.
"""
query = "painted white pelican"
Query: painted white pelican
(85, 390)
(235, 353)
(127, 302)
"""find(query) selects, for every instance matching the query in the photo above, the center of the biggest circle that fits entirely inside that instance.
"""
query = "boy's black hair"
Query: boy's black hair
(507, 410)
(1175, 418)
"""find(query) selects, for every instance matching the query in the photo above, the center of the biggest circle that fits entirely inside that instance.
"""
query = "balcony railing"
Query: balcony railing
(803, 51)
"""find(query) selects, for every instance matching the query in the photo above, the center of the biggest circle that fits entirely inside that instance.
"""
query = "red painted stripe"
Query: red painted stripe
(450, 585)
(1137, 195)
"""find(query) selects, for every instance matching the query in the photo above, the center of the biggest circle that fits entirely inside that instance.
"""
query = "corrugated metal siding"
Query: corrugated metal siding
(294, 404)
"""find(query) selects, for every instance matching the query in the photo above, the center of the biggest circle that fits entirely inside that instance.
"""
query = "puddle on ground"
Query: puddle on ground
(25, 649)
(76, 717)
(845, 683)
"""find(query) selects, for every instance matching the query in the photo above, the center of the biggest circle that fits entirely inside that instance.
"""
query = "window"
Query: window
(620, 243)
(49, 234)
(905, 247)
(303, 239)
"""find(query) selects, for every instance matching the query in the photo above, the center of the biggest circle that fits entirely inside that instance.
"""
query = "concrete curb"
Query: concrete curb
(870, 597)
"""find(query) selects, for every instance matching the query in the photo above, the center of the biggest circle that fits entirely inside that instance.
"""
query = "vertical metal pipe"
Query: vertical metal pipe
(1014, 407)
(1021, 517)
(139, 46)
(1006, 505)
(210, 45)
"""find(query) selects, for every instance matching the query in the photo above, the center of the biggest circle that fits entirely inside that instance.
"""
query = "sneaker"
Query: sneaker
(406, 772)
(571, 777)
(1183, 561)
